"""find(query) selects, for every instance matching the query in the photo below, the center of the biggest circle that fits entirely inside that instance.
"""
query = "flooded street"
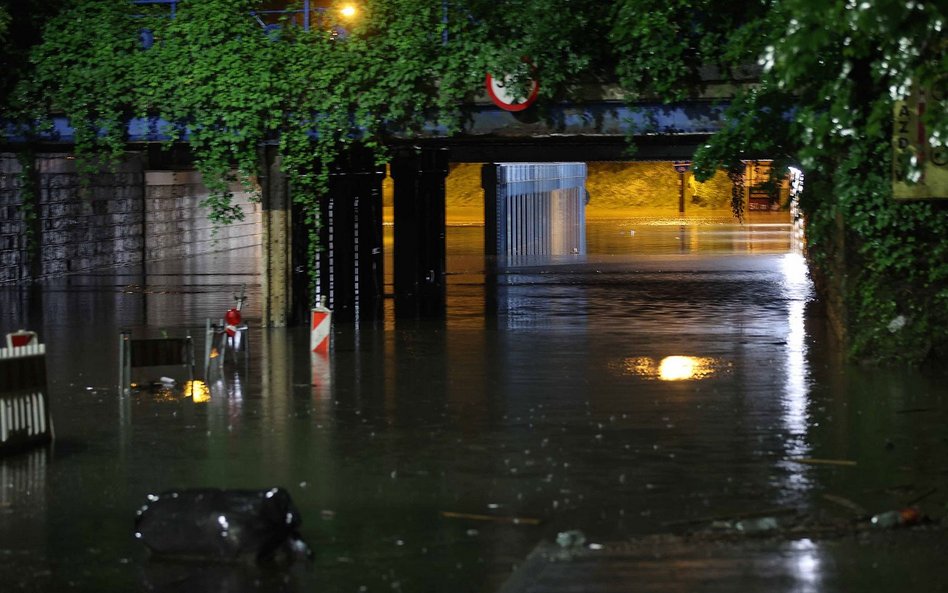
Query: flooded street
(677, 375)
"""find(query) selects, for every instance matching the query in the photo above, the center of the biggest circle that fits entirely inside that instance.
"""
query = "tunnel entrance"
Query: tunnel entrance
(632, 212)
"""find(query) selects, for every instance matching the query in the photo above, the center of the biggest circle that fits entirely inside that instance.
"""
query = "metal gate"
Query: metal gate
(535, 212)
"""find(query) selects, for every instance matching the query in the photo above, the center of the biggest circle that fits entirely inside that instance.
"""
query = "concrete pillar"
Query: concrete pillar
(277, 289)
(419, 175)
(350, 258)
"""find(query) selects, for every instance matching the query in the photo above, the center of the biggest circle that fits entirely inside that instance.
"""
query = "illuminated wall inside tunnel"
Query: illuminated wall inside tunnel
(619, 190)
(616, 190)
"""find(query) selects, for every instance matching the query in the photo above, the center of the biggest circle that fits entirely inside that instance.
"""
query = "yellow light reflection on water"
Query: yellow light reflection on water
(197, 391)
(672, 368)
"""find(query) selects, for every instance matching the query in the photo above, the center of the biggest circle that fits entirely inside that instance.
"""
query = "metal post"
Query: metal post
(125, 362)
(681, 193)
(208, 348)
(681, 167)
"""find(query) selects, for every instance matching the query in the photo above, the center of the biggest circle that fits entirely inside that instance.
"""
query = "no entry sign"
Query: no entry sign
(501, 94)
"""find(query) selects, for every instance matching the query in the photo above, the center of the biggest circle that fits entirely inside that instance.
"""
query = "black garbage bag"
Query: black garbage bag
(222, 525)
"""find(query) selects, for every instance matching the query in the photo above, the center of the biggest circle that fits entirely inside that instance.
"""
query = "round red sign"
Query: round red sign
(501, 95)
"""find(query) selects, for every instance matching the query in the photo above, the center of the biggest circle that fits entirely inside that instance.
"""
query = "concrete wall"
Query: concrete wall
(176, 225)
(116, 219)
(12, 228)
(79, 227)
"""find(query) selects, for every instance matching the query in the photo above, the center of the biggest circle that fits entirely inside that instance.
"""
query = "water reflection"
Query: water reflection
(761, 233)
(556, 408)
(806, 566)
(798, 292)
(673, 368)
(23, 480)
(198, 391)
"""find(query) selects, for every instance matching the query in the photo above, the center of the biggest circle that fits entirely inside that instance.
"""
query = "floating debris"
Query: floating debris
(900, 518)
(492, 518)
(571, 539)
(813, 461)
(845, 502)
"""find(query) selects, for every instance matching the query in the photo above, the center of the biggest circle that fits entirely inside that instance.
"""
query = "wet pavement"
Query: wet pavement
(648, 395)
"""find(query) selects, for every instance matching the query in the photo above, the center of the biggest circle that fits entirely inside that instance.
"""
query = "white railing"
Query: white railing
(24, 410)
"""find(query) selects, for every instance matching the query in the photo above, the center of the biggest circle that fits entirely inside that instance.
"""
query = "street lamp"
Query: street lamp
(681, 167)
(348, 11)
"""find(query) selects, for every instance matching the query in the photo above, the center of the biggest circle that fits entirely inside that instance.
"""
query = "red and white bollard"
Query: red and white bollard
(320, 332)
(319, 342)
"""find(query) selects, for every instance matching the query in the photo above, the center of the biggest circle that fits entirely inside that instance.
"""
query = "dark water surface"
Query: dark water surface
(672, 375)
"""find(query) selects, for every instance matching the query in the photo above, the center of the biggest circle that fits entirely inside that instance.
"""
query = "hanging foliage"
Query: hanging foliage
(830, 74)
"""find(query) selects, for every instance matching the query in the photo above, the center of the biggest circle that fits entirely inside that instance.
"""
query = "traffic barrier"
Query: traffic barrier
(321, 334)
(152, 352)
(21, 338)
(24, 409)
(319, 343)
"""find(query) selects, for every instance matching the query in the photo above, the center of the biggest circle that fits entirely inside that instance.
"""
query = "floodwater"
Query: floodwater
(675, 375)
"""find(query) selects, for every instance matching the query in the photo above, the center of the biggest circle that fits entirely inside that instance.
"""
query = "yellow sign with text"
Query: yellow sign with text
(910, 141)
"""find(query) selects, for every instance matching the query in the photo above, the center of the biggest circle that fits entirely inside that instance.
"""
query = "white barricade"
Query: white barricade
(24, 410)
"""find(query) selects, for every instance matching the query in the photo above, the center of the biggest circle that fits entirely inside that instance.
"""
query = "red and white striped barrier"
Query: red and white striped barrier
(319, 341)
(320, 333)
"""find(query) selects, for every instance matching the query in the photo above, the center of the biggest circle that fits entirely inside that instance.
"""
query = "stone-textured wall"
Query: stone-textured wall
(117, 218)
(177, 226)
(80, 227)
(92, 227)
(13, 263)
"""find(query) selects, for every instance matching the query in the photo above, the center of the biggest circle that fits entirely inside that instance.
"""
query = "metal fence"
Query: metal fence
(535, 211)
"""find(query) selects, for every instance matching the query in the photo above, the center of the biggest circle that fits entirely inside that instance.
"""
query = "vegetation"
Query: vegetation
(827, 78)
(831, 73)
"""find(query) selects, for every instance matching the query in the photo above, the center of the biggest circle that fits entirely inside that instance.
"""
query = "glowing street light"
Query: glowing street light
(348, 11)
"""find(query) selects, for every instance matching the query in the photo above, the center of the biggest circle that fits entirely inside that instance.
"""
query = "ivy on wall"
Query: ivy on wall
(29, 201)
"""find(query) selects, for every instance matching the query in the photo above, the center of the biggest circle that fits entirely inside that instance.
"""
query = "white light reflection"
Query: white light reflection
(677, 368)
(798, 232)
(797, 291)
(806, 566)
